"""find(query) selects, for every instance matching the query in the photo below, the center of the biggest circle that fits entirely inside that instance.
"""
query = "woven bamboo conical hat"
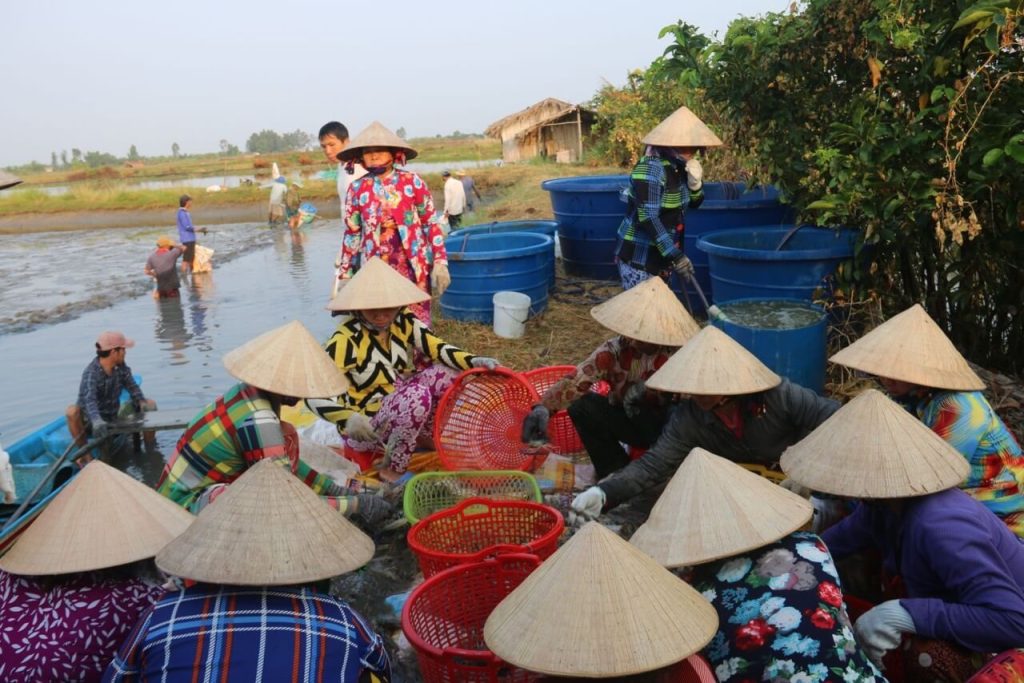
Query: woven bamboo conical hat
(648, 312)
(713, 508)
(375, 135)
(377, 285)
(598, 608)
(8, 180)
(910, 347)
(102, 518)
(288, 361)
(712, 363)
(682, 129)
(874, 448)
(267, 529)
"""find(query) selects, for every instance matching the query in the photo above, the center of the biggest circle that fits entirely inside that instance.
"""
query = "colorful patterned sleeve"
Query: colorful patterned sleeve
(648, 185)
(338, 411)
(435, 347)
(430, 219)
(352, 238)
(961, 419)
(127, 663)
(589, 372)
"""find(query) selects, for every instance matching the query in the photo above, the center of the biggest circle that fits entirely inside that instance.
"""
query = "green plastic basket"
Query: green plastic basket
(428, 492)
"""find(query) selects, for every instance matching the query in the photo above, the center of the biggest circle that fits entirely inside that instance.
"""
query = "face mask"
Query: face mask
(376, 170)
(375, 328)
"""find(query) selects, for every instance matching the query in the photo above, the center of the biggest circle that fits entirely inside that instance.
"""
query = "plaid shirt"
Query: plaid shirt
(99, 394)
(274, 634)
(230, 435)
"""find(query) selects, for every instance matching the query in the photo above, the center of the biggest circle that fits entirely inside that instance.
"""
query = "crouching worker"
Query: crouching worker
(651, 324)
(244, 425)
(259, 609)
(389, 406)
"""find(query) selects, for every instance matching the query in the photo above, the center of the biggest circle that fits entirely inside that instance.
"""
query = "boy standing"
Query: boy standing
(333, 141)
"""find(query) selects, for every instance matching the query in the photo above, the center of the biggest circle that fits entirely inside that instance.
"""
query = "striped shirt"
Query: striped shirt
(227, 437)
(99, 394)
(651, 234)
(276, 634)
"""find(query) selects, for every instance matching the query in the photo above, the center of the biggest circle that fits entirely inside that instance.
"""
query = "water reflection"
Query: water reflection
(170, 329)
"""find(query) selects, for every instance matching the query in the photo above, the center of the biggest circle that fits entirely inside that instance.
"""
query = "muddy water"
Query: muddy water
(771, 315)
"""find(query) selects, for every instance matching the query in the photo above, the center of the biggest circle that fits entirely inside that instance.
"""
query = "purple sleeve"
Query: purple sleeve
(851, 535)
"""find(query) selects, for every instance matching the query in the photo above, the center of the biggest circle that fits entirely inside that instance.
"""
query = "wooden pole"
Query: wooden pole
(579, 132)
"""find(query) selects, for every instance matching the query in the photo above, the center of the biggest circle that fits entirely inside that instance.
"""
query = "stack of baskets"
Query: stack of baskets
(429, 492)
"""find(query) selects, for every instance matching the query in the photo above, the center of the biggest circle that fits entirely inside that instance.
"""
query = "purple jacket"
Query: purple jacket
(962, 567)
(186, 232)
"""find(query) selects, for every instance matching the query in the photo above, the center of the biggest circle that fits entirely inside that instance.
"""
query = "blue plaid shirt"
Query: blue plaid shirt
(274, 634)
(99, 394)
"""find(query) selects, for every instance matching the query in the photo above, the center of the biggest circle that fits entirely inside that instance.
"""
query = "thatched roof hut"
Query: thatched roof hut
(550, 128)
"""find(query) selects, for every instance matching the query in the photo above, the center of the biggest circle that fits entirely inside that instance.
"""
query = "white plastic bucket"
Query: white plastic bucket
(511, 309)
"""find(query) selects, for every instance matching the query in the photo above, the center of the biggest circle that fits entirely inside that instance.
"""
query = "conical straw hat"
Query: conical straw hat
(648, 312)
(267, 529)
(874, 448)
(712, 363)
(376, 135)
(910, 347)
(682, 129)
(599, 608)
(103, 518)
(287, 361)
(8, 180)
(713, 508)
(377, 285)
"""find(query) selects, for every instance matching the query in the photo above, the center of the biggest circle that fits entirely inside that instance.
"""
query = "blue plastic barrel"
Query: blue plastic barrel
(482, 264)
(726, 206)
(588, 211)
(549, 228)
(797, 353)
(745, 263)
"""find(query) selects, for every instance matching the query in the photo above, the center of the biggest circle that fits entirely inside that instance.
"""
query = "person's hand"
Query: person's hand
(203, 230)
(589, 504)
(439, 278)
(535, 425)
(100, 428)
(881, 628)
(372, 510)
(485, 362)
(796, 487)
(360, 428)
(633, 399)
(694, 174)
(683, 266)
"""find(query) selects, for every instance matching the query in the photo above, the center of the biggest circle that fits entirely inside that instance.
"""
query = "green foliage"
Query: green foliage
(97, 159)
(269, 141)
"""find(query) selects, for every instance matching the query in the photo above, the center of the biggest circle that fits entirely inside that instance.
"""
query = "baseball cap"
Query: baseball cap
(113, 340)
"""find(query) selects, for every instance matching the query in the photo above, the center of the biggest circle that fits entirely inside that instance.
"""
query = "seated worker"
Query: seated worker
(162, 266)
(260, 608)
(632, 621)
(99, 393)
(922, 370)
(389, 405)
(962, 570)
(736, 407)
(780, 605)
(244, 425)
(651, 324)
(79, 576)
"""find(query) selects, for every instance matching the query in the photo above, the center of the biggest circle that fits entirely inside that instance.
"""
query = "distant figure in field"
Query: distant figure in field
(187, 232)
(277, 194)
(292, 200)
(162, 266)
(454, 200)
(469, 187)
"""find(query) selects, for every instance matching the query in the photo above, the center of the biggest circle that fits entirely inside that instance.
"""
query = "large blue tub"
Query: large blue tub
(795, 349)
(482, 264)
(549, 228)
(588, 211)
(726, 206)
(744, 263)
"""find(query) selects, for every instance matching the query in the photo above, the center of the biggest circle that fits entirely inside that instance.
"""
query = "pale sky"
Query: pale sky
(105, 75)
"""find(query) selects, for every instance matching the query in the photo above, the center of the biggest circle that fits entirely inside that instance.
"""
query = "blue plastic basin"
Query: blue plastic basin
(588, 211)
(549, 228)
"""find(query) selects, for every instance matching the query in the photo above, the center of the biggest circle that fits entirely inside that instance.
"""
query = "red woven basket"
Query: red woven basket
(443, 619)
(561, 431)
(479, 421)
(478, 528)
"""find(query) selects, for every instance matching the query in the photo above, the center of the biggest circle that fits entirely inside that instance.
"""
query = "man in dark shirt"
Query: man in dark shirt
(162, 265)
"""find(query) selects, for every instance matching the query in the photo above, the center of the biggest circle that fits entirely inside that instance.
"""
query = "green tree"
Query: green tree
(175, 150)
(133, 154)
(64, 157)
(53, 160)
(76, 155)
(400, 132)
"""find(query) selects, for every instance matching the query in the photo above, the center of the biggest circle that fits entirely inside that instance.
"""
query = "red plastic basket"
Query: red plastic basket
(561, 431)
(443, 619)
(478, 528)
(479, 421)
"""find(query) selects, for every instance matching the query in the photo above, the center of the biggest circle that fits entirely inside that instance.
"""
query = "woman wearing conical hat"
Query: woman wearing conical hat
(244, 426)
(731, 405)
(667, 179)
(650, 325)
(780, 604)
(390, 404)
(78, 577)
(389, 213)
(962, 570)
(921, 369)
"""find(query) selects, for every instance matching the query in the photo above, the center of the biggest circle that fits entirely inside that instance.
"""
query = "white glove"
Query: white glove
(694, 174)
(439, 278)
(359, 427)
(484, 362)
(881, 628)
(795, 487)
(589, 503)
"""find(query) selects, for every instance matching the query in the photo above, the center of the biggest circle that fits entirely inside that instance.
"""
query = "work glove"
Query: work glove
(359, 427)
(881, 628)
(485, 362)
(683, 266)
(794, 486)
(633, 399)
(372, 510)
(535, 425)
(694, 174)
(439, 278)
(100, 428)
(589, 504)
